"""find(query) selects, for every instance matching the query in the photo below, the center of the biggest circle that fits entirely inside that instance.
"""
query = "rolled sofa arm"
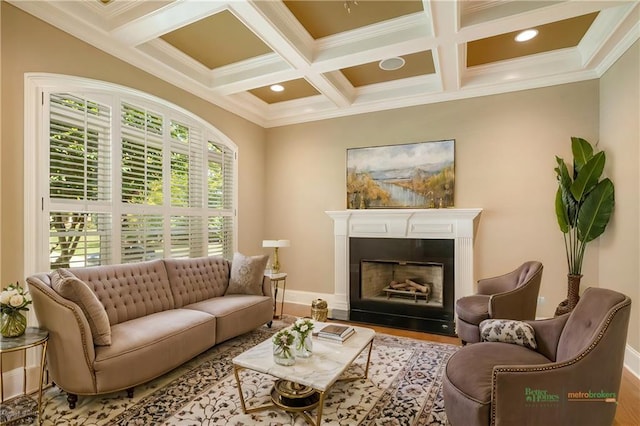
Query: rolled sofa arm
(266, 287)
(70, 351)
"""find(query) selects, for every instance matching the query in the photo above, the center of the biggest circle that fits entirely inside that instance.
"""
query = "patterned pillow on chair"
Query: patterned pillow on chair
(508, 331)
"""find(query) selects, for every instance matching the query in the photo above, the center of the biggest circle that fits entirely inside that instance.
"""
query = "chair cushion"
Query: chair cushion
(473, 309)
(476, 381)
(247, 274)
(508, 331)
(68, 286)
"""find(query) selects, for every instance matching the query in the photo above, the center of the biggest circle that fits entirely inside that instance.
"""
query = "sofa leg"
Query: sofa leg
(269, 324)
(72, 398)
(130, 393)
(464, 343)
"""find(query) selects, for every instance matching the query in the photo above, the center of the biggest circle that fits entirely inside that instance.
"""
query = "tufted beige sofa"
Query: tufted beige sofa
(161, 313)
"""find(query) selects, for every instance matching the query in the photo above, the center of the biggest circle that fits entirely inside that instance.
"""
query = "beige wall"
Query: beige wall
(620, 137)
(29, 45)
(505, 158)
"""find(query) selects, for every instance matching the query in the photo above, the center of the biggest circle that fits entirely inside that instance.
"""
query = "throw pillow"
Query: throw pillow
(247, 274)
(508, 331)
(70, 287)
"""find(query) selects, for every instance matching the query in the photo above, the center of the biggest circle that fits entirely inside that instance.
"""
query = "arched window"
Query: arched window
(121, 176)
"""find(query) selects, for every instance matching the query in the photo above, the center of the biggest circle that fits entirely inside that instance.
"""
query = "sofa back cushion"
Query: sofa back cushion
(70, 287)
(197, 279)
(129, 291)
(247, 274)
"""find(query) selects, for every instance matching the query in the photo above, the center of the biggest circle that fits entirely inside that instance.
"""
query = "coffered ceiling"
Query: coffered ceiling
(326, 54)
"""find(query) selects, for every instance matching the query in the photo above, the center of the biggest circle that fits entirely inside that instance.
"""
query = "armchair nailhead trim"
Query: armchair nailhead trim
(548, 367)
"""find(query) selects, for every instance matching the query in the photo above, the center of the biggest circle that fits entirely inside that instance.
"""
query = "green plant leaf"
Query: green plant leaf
(566, 205)
(561, 212)
(582, 152)
(588, 177)
(562, 173)
(596, 211)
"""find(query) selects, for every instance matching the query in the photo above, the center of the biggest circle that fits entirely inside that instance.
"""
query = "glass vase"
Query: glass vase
(12, 324)
(303, 345)
(283, 355)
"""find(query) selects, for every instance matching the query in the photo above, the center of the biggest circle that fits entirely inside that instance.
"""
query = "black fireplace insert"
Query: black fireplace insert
(403, 283)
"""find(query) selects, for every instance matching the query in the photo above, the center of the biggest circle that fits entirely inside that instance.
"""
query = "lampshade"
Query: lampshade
(276, 243)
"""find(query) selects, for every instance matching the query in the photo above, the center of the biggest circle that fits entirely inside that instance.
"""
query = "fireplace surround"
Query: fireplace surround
(421, 228)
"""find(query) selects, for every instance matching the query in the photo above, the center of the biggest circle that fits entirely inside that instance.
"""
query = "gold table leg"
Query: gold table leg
(319, 407)
(42, 368)
(236, 371)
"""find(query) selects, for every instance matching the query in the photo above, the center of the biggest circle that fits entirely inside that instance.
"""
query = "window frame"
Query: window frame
(36, 160)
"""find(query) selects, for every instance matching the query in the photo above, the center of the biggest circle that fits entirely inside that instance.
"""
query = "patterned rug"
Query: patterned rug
(403, 388)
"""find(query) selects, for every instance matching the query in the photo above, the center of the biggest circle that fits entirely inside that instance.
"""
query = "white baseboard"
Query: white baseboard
(632, 361)
(12, 381)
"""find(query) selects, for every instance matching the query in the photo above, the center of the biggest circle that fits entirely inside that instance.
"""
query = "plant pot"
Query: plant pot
(13, 324)
(573, 295)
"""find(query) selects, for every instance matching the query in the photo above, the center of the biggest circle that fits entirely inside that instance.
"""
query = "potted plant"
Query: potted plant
(302, 329)
(584, 204)
(13, 302)
(283, 347)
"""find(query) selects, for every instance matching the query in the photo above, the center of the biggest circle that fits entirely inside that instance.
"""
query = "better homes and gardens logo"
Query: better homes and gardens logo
(536, 396)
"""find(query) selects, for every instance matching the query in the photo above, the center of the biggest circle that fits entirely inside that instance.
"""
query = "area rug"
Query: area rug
(403, 387)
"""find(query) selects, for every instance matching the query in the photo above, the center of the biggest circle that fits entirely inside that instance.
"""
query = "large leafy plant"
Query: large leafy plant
(584, 203)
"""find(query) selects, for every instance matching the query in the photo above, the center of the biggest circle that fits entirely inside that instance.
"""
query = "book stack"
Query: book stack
(335, 333)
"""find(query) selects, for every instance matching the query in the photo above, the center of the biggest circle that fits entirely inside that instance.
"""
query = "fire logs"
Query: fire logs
(418, 286)
(410, 287)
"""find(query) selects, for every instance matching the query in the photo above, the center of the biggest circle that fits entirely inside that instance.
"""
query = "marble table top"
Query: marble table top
(320, 371)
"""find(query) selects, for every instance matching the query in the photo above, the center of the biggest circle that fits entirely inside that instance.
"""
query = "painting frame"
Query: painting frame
(417, 175)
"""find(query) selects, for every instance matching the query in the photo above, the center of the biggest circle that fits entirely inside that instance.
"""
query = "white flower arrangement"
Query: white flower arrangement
(283, 340)
(303, 326)
(14, 299)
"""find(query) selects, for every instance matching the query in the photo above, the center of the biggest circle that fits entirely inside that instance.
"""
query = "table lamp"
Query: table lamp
(276, 244)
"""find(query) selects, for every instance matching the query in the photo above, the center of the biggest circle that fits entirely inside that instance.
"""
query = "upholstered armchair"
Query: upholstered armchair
(513, 296)
(572, 377)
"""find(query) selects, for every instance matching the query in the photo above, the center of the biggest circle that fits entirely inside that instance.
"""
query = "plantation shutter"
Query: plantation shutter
(220, 162)
(79, 181)
(187, 229)
(130, 179)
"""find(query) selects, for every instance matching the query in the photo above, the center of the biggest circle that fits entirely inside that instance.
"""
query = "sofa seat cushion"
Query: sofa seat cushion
(473, 309)
(475, 383)
(146, 347)
(236, 314)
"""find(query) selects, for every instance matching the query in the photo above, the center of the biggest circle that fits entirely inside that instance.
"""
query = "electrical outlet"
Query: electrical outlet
(541, 300)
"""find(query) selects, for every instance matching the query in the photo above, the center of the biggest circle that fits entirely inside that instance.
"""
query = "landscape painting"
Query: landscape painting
(416, 175)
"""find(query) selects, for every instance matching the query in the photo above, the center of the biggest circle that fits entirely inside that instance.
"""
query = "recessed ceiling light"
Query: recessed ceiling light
(277, 88)
(526, 35)
(391, 64)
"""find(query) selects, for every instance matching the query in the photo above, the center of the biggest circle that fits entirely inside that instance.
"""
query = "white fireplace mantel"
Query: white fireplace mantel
(456, 224)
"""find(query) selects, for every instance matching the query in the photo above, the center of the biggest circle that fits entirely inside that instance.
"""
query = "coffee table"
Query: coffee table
(303, 386)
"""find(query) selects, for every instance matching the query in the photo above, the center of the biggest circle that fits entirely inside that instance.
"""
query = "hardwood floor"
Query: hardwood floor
(627, 413)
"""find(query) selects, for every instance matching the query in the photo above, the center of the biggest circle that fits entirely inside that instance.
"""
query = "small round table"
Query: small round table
(31, 338)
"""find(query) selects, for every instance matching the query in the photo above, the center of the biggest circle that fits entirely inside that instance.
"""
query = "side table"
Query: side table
(275, 279)
(31, 338)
